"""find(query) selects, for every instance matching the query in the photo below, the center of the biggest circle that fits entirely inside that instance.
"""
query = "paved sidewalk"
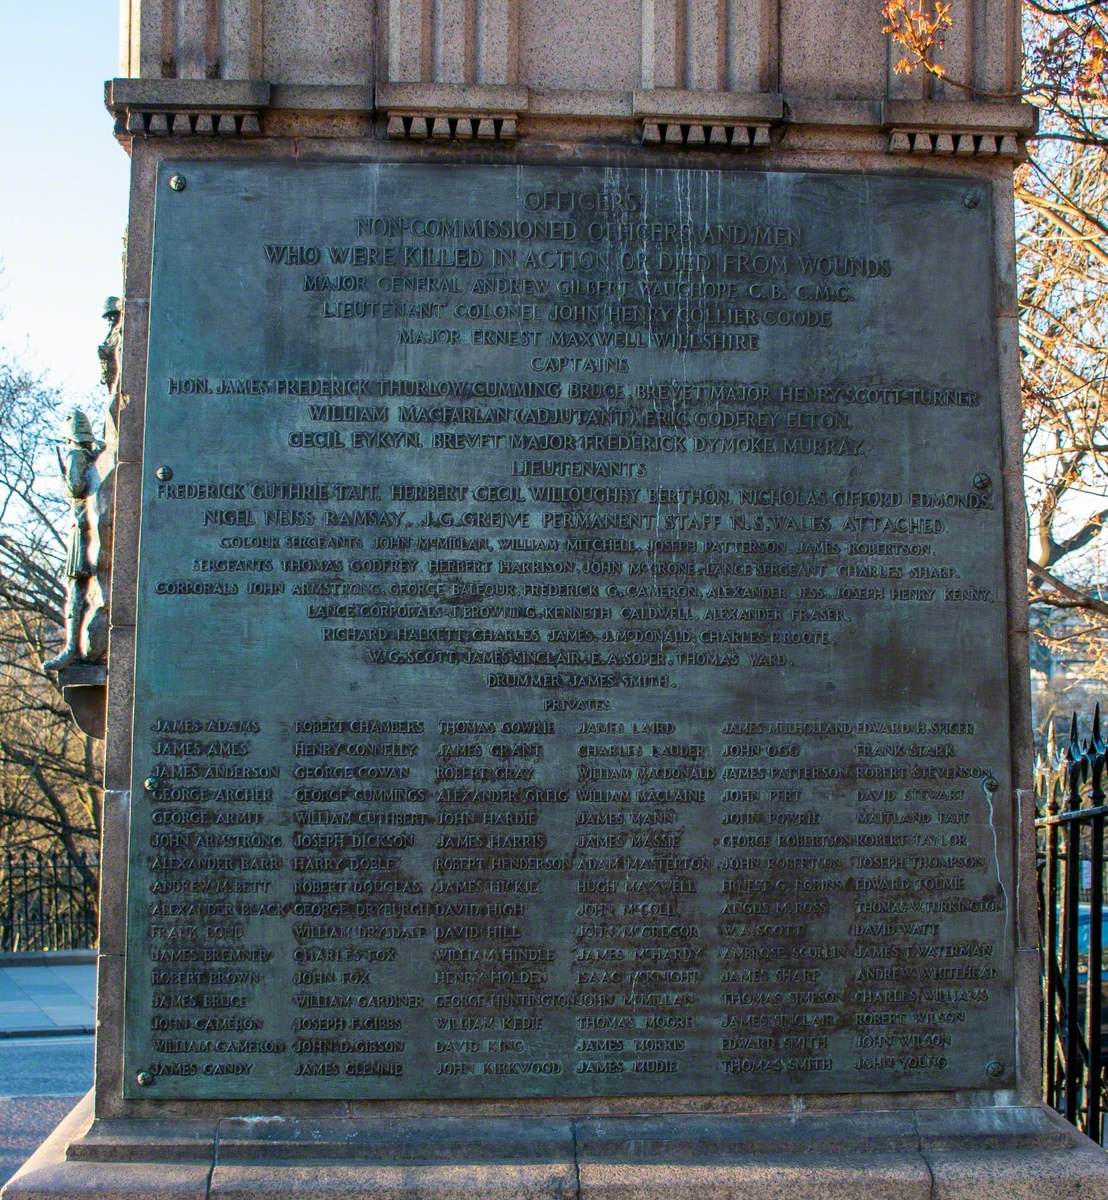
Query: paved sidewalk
(47, 994)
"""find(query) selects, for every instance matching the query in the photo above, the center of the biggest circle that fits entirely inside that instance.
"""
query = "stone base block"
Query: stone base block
(1015, 1153)
(49, 1174)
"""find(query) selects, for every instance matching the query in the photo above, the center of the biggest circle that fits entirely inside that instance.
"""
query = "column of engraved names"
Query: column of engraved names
(497, 873)
(211, 857)
(643, 961)
(359, 913)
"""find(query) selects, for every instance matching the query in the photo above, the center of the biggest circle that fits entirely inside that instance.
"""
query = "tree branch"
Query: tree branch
(1071, 597)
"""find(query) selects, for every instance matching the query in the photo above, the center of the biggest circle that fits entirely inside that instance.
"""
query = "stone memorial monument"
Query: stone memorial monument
(567, 719)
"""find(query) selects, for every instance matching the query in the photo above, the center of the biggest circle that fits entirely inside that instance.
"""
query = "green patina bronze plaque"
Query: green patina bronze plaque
(571, 651)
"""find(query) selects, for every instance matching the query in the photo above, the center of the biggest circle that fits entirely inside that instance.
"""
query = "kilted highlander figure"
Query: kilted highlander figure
(80, 484)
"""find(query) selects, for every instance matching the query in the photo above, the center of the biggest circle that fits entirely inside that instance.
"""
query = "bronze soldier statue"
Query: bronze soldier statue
(81, 449)
(109, 349)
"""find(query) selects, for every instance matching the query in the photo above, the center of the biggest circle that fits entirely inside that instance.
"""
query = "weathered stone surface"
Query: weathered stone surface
(998, 1155)
(306, 42)
(1022, 1128)
(172, 1140)
(156, 93)
(721, 1139)
(662, 102)
(428, 1141)
(117, 750)
(60, 1180)
(463, 1182)
(1032, 1175)
(841, 1177)
(115, 814)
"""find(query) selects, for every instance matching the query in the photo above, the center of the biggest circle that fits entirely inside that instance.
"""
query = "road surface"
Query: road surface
(41, 1079)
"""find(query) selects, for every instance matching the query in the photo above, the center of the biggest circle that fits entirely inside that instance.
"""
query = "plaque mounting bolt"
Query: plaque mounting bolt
(145, 1079)
(994, 1068)
(151, 782)
(981, 481)
(165, 474)
(178, 183)
(990, 785)
(970, 199)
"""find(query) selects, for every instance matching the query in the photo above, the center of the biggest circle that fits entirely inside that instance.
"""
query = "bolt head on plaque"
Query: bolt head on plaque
(994, 1068)
(990, 785)
(150, 783)
(970, 199)
(981, 481)
(177, 183)
(165, 474)
(145, 1079)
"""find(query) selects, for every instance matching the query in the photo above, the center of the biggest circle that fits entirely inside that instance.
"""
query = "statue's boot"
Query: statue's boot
(67, 658)
(72, 652)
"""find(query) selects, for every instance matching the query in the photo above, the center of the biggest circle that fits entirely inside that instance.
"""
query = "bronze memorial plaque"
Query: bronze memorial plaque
(571, 637)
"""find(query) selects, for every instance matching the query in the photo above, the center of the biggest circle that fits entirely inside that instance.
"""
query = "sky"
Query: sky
(63, 188)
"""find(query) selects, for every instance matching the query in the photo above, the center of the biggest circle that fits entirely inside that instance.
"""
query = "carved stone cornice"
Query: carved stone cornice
(714, 134)
(460, 127)
(186, 107)
(717, 120)
(962, 144)
(958, 128)
(673, 117)
(451, 112)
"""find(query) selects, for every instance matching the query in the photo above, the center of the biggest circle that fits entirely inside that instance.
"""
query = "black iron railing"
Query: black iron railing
(47, 901)
(1070, 824)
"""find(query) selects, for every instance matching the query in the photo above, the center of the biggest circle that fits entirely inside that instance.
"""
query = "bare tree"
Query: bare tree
(1062, 257)
(49, 769)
